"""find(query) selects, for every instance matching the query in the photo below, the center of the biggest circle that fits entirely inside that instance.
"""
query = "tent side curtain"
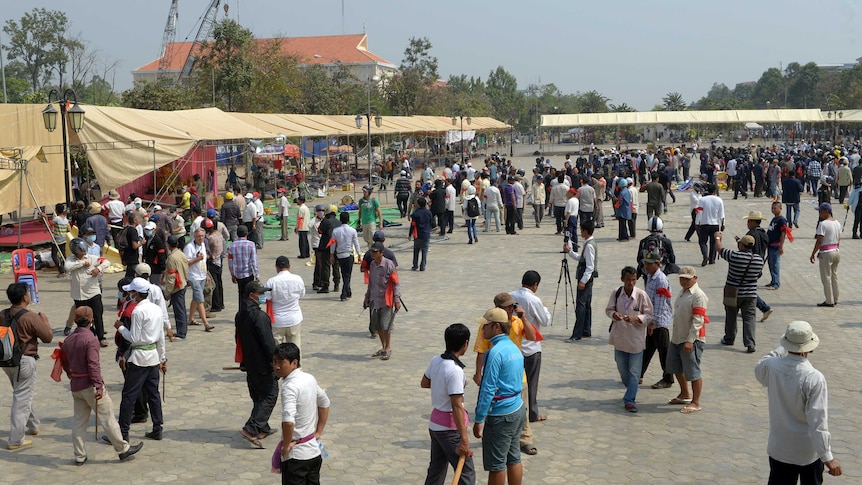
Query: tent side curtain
(685, 117)
(45, 178)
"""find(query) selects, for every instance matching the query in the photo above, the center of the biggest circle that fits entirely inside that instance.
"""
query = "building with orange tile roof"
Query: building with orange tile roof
(331, 51)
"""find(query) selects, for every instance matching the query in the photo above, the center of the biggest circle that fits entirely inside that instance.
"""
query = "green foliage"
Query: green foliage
(158, 95)
(38, 40)
(229, 59)
(412, 91)
(673, 102)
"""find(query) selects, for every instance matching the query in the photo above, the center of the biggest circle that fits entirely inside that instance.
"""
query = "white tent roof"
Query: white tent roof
(686, 117)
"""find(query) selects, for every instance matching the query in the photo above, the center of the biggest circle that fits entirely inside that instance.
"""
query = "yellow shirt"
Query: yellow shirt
(186, 202)
(516, 335)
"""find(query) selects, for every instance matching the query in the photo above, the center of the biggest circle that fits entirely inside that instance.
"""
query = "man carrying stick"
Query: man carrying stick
(448, 426)
(80, 359)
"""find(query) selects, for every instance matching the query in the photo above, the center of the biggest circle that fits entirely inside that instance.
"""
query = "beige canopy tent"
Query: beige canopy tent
(685, 117)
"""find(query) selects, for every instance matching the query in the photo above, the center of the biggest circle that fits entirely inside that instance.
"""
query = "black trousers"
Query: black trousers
(95, 304)
(785, 473)
(583, 311)
(263, 390)
(325, 267)
(218, 292)
(140, 379)
(303, 244)
(659, 340)
(241, 283)
(301, 472)
(56, 256)
(346, 265)
(857, 218)
(450, 221)
(691, 227)
(624, 225)
(511, 219)
(402, 205)
(532, 367)
(706, 236)
(633, 224)
(559, 215)
(519, 212)
(440, 219)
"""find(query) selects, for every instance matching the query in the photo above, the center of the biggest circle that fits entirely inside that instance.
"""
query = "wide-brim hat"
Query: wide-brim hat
(113, 194)
(94, 208)
(755, 216)
(799, 337)
(493, 315)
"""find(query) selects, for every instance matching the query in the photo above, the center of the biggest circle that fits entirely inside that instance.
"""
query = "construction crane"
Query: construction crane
(205, 31)
(168, 38)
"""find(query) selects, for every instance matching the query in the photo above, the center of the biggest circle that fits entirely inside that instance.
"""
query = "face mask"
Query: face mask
(137, 206)
(91, 238)
(261, 299)
(148, 233)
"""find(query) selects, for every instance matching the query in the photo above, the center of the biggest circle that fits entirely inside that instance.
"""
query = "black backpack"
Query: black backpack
(10, 343)
(122, 242)
(473, 208)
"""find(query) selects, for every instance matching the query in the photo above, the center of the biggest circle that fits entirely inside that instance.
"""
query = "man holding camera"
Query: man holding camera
(587, 271)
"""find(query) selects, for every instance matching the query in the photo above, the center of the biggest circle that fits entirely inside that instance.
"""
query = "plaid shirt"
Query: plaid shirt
(814, 169)
(242, 259)
(662, 310)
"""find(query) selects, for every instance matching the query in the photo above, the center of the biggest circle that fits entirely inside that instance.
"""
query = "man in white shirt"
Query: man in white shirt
(146, 359)
(196, 253)
(521, 192)
(283, 213)
(537, 314)
(346, 242)
(570, 222)
(157, 297)
(448, 423)
(451, 204)
(304, 412)
(709, 220)
(731, 173)
(471, 172)
(116, 209)
(557, 200)
(258, 228)
(286, 291)
(798, 427)
(493, 201)
(586, 199)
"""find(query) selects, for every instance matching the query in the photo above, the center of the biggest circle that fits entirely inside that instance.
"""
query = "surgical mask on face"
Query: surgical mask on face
(92, 239)
(137, 205)
(261, 299)
(148, 233)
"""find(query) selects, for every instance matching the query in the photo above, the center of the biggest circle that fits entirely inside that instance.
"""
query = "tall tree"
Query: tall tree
(592, 102)
(228, 57)
(160, 95)
(770, 87)
(800, 87)
(673, 102)
(37, 41)
(502, 91)
(411, 90)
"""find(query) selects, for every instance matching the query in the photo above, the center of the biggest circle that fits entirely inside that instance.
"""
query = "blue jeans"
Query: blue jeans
(492, 213)
(793, 209)
(420, 245)
(471, 230)
(774, 261)
(629, 366)
(762, 305)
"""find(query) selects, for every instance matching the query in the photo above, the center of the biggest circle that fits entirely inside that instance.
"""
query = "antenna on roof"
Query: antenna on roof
(363, 28)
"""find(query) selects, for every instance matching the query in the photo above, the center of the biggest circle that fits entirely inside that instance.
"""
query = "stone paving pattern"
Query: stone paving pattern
(377, 432)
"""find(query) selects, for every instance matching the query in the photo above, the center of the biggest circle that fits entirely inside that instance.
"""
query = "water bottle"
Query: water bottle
(323, 453)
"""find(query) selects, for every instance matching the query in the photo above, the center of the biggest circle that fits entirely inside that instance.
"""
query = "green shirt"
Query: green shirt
(368, 210)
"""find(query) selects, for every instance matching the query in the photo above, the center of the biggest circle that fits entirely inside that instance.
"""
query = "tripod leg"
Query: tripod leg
(557, 294)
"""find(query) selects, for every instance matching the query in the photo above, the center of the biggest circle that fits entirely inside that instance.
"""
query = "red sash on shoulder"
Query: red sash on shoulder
(663, 292)
(698, 310)
(788, 231)
(390, 289)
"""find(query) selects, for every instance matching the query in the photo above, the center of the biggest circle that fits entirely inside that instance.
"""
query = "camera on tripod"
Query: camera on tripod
(567, 238)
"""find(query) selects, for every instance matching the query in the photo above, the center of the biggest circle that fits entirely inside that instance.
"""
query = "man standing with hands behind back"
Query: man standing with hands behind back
(798, 430)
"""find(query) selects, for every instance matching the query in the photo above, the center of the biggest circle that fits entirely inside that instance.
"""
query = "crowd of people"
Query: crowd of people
(160, 265)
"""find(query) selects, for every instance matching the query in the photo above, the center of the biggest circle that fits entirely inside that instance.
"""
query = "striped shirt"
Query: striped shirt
(662, 309)
(814, 169)
(737, 262)
(242, 259)
(61, 227)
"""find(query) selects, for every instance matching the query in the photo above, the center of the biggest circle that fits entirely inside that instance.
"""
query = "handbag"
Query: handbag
(731, 293)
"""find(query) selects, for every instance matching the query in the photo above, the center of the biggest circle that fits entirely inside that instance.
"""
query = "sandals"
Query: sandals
(194, 322)
(255, 443)
(209, 328)
(379, 353)
(688, 409)
(529, 449)
(386, 355)
(678, 400)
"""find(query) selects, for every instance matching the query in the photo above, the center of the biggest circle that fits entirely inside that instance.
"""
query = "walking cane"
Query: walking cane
(459, 469)
(96, 410)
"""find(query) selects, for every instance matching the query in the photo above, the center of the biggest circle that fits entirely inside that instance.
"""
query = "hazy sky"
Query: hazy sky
(632, 51)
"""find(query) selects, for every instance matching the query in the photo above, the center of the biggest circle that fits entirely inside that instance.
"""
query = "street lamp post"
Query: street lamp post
(835, 116)
(76, 118)
(511, 138)
(378, 121)
(455, 123)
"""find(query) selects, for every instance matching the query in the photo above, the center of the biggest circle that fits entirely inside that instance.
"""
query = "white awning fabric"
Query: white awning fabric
(686, 117)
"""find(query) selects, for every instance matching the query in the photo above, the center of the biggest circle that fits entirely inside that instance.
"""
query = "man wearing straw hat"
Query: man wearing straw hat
(798, 430)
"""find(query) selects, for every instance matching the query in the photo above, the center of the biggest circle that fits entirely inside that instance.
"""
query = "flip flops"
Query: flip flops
(379, 353)
(688, 409)
(255, 443)
(677, 400)
(386, 355)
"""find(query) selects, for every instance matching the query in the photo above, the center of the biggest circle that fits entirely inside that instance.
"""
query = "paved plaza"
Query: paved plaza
(377, 431)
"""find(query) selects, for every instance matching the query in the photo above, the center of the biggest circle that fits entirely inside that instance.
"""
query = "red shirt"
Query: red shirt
(81, 360)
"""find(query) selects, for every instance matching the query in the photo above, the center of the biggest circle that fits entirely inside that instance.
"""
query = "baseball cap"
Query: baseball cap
(249, 195)
(83, 312)
(212, 213)
(256, 194)
(150, 226)
(157, 208)
(493, 315)
(651, 257)
(378, 236)
(687, 272)
(826, 206)
(747, 240)
(143, 268)
(256, 287)
(377, 247)
(138, 285)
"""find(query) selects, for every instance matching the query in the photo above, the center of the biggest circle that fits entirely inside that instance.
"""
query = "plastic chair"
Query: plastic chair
(30, 280)
(24, 263)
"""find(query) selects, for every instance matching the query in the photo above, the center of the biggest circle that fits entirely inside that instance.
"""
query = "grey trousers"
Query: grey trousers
(84, 402)
(748, 307)
(23, 380)
(444, 447)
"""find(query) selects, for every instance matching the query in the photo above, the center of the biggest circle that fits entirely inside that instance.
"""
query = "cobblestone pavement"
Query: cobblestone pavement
(377, 432)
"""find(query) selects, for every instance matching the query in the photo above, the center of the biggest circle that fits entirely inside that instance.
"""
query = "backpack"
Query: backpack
(473, 207)
(10, 343)
(122, 242)
(654, 243)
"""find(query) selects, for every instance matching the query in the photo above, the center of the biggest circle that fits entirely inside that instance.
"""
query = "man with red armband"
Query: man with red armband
(687, 338)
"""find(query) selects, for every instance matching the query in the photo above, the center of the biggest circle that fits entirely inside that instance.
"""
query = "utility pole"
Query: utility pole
(3, 72)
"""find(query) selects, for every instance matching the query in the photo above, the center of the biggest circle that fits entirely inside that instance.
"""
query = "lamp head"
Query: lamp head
(49, 116)
(358, 120)
(76, 117)
(378, 120)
